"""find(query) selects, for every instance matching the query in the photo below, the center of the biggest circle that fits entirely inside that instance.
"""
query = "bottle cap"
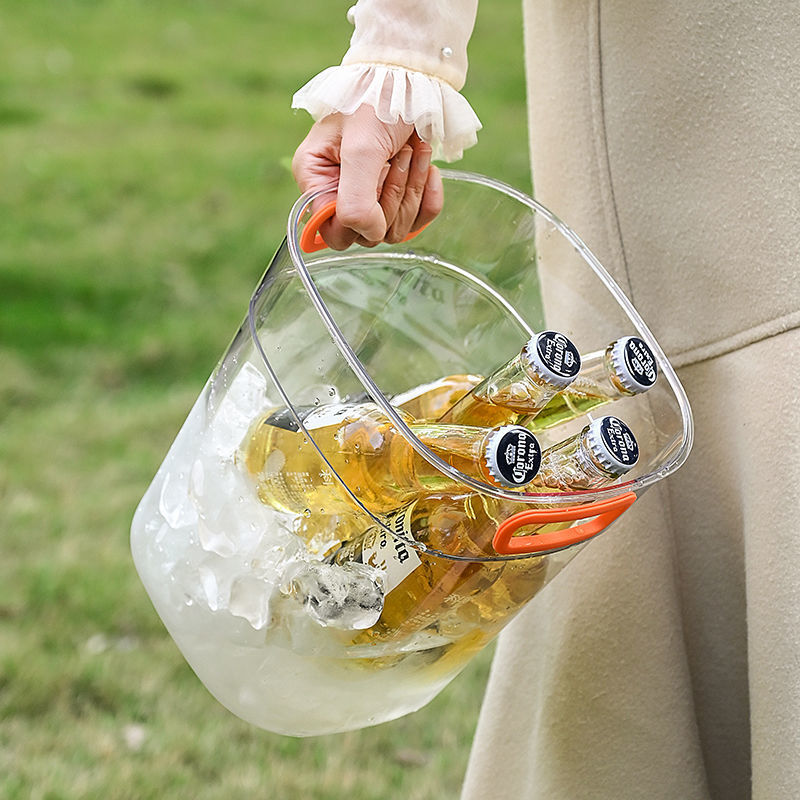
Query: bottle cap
(552, 357)
(513, 455)
(612, 445)
(633, 364)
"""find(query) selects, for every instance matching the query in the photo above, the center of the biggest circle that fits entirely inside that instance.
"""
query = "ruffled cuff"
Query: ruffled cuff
(441, 115)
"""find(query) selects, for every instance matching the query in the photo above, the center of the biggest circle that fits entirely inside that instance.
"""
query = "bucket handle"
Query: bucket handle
(603, 511)
(311, 240)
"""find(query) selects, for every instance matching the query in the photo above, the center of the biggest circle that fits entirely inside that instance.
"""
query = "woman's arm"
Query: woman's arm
(381, 114)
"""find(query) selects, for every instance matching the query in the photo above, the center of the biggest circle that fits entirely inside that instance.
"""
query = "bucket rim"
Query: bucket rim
(673, 460)
(671, 464)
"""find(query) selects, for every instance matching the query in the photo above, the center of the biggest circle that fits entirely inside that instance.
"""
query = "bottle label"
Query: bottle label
(558, 354)
(619, 440)
(312, 417)
(515, 457)
(640, 361)
(324, 416)
(284, 418)
(393, 555)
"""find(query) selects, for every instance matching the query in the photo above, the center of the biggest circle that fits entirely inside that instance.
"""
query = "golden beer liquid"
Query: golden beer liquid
(597, 383)
(431, 400)
(447, 596)
(580, 397)
(455, 597)
(362, 447)
(507, 397)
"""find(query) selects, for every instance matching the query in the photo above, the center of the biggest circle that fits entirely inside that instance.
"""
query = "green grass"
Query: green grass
(143, 188)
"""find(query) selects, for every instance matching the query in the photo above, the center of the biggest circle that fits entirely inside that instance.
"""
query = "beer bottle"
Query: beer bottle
(374, 460)
(516, 391)
(626, 367)
(603, 451)
(430, 400)
(424, 590)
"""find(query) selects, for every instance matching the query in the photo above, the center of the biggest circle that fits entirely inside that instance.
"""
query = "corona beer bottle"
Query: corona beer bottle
(516, 391)
(430, 400)
(374, 460)
(602, 452)
(625, 368)
(427, 591)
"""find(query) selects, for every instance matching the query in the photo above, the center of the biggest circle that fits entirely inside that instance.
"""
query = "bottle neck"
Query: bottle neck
(461, 446)
(513, 390)
(570, 465)
(597, 372)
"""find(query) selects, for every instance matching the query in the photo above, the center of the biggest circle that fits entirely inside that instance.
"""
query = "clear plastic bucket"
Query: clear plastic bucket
(244, 587)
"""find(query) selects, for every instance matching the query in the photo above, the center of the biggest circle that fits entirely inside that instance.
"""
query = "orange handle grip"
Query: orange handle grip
(603, 511)
(311, 239)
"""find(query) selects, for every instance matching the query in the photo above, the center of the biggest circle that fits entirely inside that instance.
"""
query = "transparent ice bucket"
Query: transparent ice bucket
(329, 329)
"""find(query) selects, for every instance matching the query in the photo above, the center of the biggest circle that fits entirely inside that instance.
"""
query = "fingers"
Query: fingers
(357, 209)
(391, 190)
(432, 200)
(387, 186)
(395, 185)
(415, 187)
(367, 145)
(352, 149)
(315, 165)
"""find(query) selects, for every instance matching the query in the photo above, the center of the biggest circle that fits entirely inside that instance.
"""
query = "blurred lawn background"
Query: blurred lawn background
(144, 185)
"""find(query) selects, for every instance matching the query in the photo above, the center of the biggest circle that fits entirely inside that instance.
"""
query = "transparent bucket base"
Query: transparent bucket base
(213, 560)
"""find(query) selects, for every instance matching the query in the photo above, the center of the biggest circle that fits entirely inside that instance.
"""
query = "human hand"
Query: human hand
(387, 185)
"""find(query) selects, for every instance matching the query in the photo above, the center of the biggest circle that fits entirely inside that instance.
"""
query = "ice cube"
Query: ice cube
(175, 503)
(232, 519)
(215, 576)
(240, 407)
(250, 599)
(347, 596)
(215, 540)
(211, 588)
(197, 476)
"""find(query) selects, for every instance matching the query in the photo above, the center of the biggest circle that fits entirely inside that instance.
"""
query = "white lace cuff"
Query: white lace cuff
(441, 115)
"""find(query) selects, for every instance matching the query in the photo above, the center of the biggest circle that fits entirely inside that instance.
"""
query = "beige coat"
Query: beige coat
(664, 662)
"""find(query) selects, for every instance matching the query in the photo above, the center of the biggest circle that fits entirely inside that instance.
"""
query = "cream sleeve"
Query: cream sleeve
(408, 60)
